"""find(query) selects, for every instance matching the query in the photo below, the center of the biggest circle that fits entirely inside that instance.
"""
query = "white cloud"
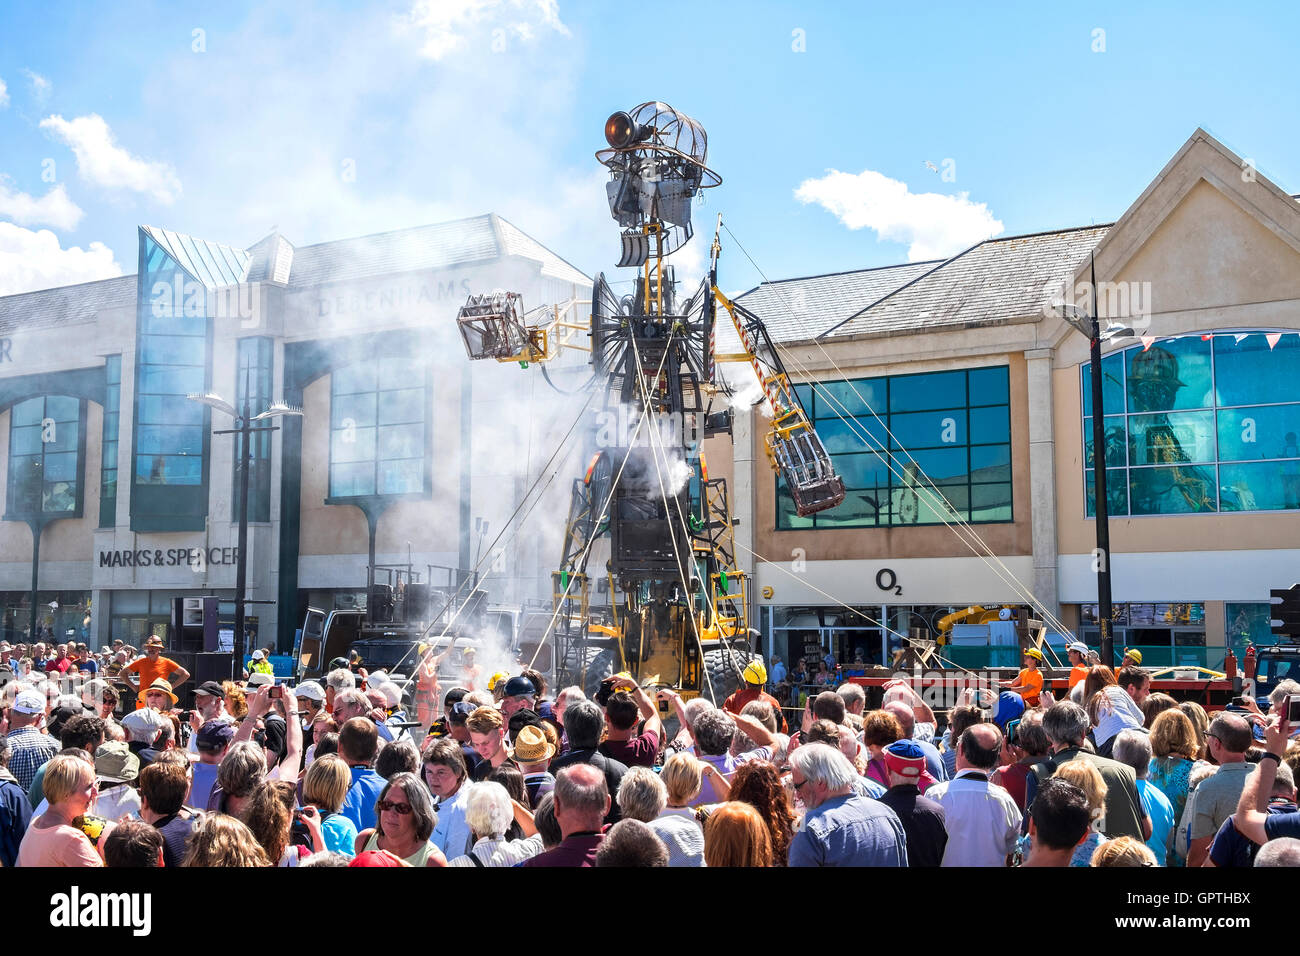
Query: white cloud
(933, 225)
(4, 95)
(33, 259)
(448, 25)
(53, 209)
(40, 85)
(102, 162)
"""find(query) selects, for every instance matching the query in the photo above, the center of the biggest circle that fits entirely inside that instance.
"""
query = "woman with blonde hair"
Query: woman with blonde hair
(220, 840)
(1123, 851)
(683, 777)
(63, 835)
(326, 787)
(1175, 750)
(736, 835)
(1088, 779)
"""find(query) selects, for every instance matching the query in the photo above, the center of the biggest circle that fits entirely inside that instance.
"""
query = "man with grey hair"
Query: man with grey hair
(840, 828)
(581, 805)
(713, 732)
(643, 796)
(583, 723)
(1227, 740)
(337, 680)
(1133, 748)
(1284, 851)
(1066, 725)
(854, 697)
(630, 843)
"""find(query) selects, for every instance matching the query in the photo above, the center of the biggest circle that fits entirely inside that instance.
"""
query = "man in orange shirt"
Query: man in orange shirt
(150, 668)
(1029, 682)
(755, 677)
(1078, 654)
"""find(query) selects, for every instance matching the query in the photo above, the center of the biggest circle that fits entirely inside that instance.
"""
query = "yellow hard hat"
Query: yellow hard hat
(1035, 653)
(496, 678)
(755, 673)
(1134, 653)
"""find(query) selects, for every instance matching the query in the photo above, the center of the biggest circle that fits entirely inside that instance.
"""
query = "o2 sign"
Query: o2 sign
(887, 580)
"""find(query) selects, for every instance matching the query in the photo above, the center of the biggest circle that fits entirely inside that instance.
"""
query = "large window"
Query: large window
(108, 446)
(253, 379)
(1199, 423)
(377, 428)
(45, 450)
(171, 363)
(951, 436)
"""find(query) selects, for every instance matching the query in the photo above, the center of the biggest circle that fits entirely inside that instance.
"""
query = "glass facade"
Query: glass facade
(377, 428)
(949, 430)
(1200, 423)
(108, 447)
(45, 456)
(171, 362)
(60, 616)
(253, 378)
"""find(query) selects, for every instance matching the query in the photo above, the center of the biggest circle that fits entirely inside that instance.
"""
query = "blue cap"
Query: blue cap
(1010, 706)
(907, 749)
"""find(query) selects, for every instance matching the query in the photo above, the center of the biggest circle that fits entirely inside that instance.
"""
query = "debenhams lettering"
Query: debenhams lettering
(168, 557)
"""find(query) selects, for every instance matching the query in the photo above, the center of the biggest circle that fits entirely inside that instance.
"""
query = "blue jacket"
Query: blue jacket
(15, 815)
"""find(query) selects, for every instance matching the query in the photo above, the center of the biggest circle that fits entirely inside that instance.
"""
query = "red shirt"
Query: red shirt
(61, 665)
(639, 751)
(737, 701)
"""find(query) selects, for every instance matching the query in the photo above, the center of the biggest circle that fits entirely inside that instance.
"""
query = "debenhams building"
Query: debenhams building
(120, 496)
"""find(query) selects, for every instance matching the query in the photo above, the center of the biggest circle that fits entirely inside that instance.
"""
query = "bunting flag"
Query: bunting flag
(1147, 341)
(1206, 338)
(1239, 336)
(1272, 338)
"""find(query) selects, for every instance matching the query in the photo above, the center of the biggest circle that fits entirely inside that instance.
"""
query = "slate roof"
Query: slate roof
(790, 308)
(66, 305)
(994, 281)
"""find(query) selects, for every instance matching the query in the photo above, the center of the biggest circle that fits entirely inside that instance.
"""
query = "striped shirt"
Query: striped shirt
(31, 751)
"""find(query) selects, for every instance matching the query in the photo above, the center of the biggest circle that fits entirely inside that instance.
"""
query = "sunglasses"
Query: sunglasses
(402, 809)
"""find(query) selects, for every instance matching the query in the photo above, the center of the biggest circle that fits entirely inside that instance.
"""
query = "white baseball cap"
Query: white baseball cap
(310, 690)
(259, 679)
(29, 702)
(258, 655)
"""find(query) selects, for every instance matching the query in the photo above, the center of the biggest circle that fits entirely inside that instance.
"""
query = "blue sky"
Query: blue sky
(330, 120)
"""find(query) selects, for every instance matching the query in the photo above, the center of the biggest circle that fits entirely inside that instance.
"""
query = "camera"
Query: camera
(1293, 709)
(276, 692)
(605, 692)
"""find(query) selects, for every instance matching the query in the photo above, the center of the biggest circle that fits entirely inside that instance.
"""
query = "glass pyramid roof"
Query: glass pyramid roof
(210, 263)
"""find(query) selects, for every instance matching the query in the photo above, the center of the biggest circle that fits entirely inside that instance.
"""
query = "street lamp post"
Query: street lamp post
(245, 429)
(1090, 326)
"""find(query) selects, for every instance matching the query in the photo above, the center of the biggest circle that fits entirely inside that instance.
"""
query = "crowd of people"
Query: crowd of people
(332, 773)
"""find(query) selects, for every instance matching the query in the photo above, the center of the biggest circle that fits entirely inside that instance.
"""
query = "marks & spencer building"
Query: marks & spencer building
(134, 500)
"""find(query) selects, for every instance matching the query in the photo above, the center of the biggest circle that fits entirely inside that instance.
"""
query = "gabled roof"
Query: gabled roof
(802, 308)
(438, 246)
(994, 281)
(210, 263)
(1200, 158)
(272, 260)
(519, 243)
(65, 305)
